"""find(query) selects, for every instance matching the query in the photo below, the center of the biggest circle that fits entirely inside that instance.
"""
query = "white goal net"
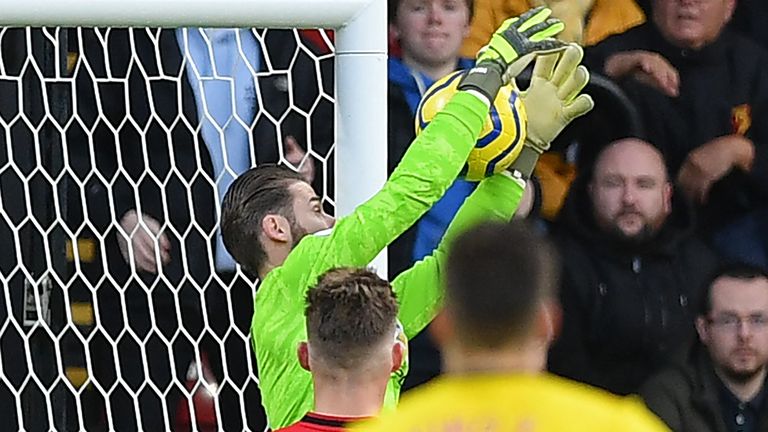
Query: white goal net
(119, 310)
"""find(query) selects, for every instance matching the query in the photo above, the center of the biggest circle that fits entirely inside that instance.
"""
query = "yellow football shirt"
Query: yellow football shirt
(514, 403)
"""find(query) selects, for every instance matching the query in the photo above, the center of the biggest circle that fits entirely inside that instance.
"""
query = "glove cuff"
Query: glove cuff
(526, 161)
(485, 78)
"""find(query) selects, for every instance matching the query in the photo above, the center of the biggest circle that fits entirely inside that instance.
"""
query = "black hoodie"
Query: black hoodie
(626, 308)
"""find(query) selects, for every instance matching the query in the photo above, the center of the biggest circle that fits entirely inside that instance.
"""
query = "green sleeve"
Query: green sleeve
(419, 289)
(418, 182)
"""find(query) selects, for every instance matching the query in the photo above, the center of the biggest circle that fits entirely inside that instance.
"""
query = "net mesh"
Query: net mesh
(119, 310)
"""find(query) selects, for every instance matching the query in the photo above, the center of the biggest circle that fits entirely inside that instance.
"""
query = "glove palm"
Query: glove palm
(552, 100)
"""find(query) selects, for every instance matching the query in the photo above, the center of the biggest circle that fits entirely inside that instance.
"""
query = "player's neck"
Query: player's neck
(349, 398)
(433, 71)
(276, 255)
(531, 358)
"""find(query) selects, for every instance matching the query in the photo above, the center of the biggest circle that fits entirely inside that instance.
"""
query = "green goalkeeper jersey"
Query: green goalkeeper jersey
(419, 181)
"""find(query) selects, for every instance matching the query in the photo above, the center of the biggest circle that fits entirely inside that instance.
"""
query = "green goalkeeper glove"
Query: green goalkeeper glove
(510, 50)
(552, 101)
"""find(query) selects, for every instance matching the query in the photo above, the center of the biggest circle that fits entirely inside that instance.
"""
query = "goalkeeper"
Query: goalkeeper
(268, 212)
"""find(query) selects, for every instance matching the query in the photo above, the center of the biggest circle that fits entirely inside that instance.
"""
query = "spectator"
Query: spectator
(500, 316)
(702, 91)
(721, 386)
(350, 349)
(631, 271)
(220, 67)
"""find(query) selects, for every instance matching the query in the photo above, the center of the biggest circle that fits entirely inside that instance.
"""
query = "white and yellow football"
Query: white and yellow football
(503, 133)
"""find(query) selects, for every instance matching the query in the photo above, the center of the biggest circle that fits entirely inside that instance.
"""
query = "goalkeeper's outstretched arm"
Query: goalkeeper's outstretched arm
(419, 289)
(421, 178)
(553, 101)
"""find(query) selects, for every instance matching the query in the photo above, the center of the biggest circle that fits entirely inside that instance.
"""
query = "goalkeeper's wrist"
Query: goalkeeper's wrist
(485, 78)
(526, 161)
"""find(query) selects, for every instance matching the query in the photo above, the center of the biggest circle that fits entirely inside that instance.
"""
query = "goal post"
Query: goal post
(59, 221)
(197, 13)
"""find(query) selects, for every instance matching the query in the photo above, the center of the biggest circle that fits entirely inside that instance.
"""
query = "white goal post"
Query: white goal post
(42, 316)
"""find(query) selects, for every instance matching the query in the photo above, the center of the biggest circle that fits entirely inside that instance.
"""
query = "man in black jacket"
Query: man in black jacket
(631, 269)
(702, 91)
(721, 387)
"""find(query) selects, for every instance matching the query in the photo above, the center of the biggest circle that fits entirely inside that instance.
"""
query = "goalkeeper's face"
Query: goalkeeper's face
(308, 214)
(631, 196)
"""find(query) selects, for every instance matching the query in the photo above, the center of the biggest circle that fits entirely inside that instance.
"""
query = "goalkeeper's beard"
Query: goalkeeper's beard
(297, 232)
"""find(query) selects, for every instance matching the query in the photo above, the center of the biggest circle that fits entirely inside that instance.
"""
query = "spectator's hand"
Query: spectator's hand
(144, 233)
(298, 160)
(511, 48)
(710, 162)
(647, 67)
(552, 100)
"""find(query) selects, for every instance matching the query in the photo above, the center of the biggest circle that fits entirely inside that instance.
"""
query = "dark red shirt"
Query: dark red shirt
(314, 422)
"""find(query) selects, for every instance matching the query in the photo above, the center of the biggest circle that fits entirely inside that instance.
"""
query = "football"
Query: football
(503, 132)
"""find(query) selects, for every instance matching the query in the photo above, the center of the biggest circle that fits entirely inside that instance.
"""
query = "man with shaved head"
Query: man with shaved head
(631, 270)
(630, 192)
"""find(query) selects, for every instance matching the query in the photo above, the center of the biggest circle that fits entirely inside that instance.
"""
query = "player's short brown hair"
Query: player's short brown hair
(496, 276)
(350, 312)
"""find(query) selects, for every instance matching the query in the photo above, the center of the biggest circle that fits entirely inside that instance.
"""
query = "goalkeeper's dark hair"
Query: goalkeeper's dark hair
(350, 313)
(496, 276)
(392, 6)
(258, 192)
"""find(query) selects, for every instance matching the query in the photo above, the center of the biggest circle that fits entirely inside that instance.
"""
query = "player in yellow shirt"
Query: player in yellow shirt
(499, 319)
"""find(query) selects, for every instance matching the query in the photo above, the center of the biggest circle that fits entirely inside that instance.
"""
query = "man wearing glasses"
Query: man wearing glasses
(722, 386)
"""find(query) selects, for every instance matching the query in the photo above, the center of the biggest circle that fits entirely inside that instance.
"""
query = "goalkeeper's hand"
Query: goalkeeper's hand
(511, 48)
(552, 100)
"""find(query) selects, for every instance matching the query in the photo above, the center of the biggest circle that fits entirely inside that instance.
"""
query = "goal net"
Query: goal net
(120, 309)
